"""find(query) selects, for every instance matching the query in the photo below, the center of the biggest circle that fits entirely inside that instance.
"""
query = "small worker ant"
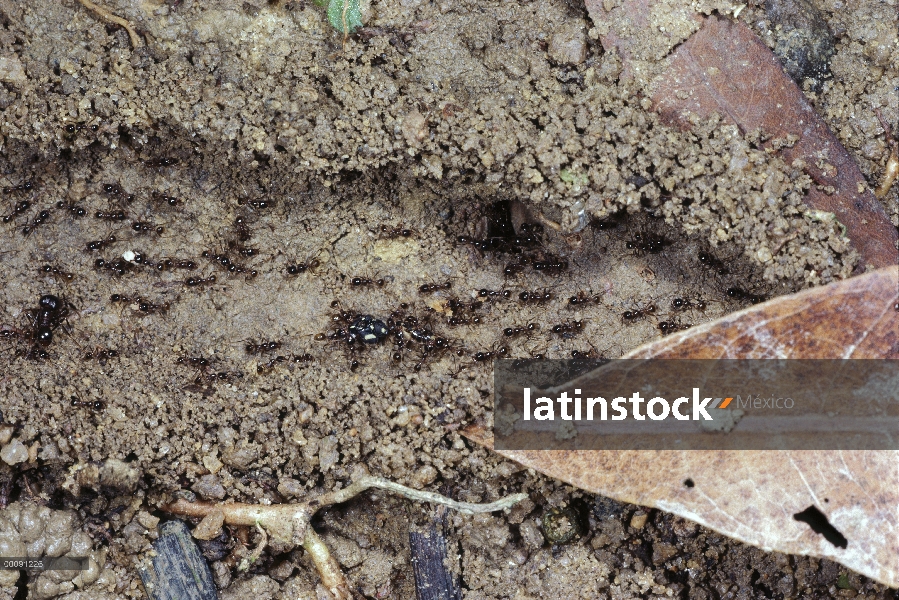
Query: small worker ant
(117, 215)
(494, 295)
(709, 261)
(390, 233)
(192, 361)
(252, 347)
(101, 354)
(298, 268)
(164, 264)
(646, 242)
(50, 269)
(41, 218)
(500, 352)
(142, 227)
(365, 281)
(118, 267)
(640, 313)
(114, 191)
(551, 265)
(22, 187)
(433, 287)
(165, 198)
(686, 303)
(535, 297)
(74, 210)
(20, 207)
(258, 204)
(148, 307)
(161, 162)
(514, 332)
(741, 294)
(518, 267)
(568, 329)
(582, 298)
(91, 404)
(458, 320)
(100, 244)
(198, 281)
(669, 327)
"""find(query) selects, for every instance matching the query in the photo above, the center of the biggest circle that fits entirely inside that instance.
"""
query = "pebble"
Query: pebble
(210, 527)
(569, 44)
(639, 519)
(209, 487)
(14, 453)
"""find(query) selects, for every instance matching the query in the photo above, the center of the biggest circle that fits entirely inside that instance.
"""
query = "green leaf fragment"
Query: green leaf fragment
(843, 582)
(345, 15)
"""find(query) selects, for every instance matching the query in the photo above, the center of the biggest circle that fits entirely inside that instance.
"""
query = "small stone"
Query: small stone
(5, 434)
(209, 487)
(531, 534)
(211, 526)
(14, 453)
(424, 476)
(147, 520)
(212, 463)
(569, 44)
(291, 488)
(11, 70)
(639, 519)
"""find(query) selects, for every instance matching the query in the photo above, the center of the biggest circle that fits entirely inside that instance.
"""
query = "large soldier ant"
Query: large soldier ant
(51, 313)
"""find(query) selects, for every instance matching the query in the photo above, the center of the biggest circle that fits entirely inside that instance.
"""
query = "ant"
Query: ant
(741, 294)
(35, 353)
(175, 263)
(685, 303)
(568, 329)
(454, 304)
(198, 281)
(101, 354)
(161, 162)
(668, 327)
(640, 313)
(242, 229)
(147, 307)
(390, 233)
(252, 347)
(142, 227)
(100, 244)
(91, 404)
(485, 356)
(20, 207)
(191, 361)
(125, 299)
(51, 313)
(22, 187)
(41, 218)
(271, 364)
(242, 250)
(258, 204)
(56, 271)
(516, 268)
(582, 298)
(551, 265)
(119, 266)
(646, 242)
(114, 191)
(454, 320)
(711, 262)
(535, 297)
(365, 281)
(231, 267)
(513, 332)
(491, 294)
(111, 216)
(298, 268)
(170, 200)
(433, 287)
(74, 210)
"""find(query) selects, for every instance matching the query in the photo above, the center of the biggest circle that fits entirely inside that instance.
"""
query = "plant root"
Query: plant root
(108, 16)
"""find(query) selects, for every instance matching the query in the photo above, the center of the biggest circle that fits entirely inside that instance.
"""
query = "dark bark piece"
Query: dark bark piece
(178, 571)
(724, 68)
(432, 579)
(804, 41)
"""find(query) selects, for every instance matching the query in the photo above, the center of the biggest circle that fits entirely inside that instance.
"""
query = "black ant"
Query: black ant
(20, 207)
(390, 233)
(457, 320)
(165, 198)
(100, 244)
(741, 294)
(91, 404)
(161, 162)
(125, 299)
(229, 265)
(117, 215)
(35, 353)
(535, 297)
(198, 281)
(611, 222)
(175, 263)
(513, 332)
(711, 262)
(669, 327)
(258, 204)
(142, 227)
(51, 313)
(551, 265)
(242, 229)
(433, 287)
(119, 266)
(491, 294)
(114, 191)
(582, 298)
(193, 361)
(456, 305)
(365, 281)
(298, 268)
(485, 356)
(242, 250)
(252, 347)
(647, 242)
(271, 364)
(41, 218)
(685, 303)
(568, 329)
(516, 268)
(148, 307)
(640, 313)
(57, 271)
(101, 354)
(221, 376)
(74, 210)
(22, 187)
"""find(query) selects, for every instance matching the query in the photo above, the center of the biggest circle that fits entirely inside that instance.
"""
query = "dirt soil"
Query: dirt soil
(297, 159)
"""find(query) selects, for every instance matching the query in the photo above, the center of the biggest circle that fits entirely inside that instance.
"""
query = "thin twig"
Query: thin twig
(105, 14)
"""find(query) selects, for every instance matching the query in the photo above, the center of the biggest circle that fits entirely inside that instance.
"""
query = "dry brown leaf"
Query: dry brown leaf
(751, 495)
(725, 68)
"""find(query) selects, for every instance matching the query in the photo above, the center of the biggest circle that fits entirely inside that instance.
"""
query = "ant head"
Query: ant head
(49, 302)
